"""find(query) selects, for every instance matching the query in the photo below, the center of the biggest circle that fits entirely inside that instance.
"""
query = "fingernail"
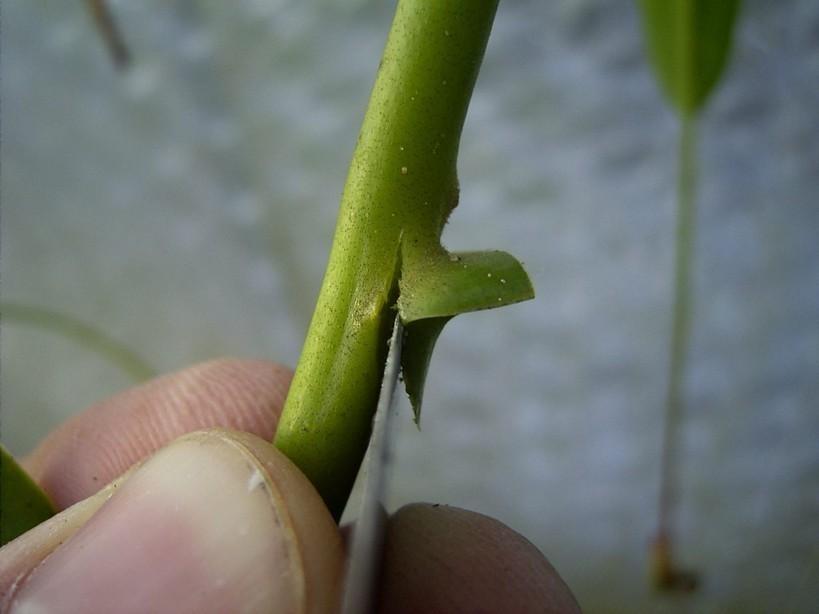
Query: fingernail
(195, 529)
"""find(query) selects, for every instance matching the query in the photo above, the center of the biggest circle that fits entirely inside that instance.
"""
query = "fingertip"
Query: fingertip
(218, 521)
(314, 531)
(94, 447)
(446, 559)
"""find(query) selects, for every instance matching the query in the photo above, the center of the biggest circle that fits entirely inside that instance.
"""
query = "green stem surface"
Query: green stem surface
(401, 187)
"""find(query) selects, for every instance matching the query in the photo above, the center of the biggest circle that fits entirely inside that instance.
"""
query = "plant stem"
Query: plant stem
(682, 315)
(401, 187)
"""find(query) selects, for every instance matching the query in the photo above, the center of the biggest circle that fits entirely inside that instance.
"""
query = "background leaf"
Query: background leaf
(688, 43)
(23, 505)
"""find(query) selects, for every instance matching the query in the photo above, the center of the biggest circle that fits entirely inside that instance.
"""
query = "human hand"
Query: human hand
(220, 521)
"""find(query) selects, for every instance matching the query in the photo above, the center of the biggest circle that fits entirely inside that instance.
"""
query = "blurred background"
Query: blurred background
(186, 207)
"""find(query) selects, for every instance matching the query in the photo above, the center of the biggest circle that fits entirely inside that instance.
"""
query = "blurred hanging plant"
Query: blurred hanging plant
(688, 42)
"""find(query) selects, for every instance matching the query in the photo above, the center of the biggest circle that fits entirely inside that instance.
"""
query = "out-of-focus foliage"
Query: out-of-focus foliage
(689, 42)
(22, 504)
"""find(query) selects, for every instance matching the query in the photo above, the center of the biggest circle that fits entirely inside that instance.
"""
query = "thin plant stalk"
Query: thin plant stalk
(680, 342)
(689, 43)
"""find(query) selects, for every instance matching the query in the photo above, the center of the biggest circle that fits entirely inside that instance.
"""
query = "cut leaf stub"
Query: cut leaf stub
(462, 282)
(451, 284)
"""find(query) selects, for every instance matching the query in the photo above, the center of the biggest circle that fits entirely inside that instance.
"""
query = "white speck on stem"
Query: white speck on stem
(489, 274)
(503, 281)
(404, 170)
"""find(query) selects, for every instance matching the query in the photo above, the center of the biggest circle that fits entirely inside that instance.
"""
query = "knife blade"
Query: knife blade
(366, 550)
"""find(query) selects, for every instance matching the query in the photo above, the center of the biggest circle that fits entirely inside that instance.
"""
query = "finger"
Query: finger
(218, 521)
(101, 443)
(444, 559)
(24, 553)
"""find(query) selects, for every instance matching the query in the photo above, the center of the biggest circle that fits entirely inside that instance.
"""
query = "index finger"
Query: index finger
(101, 443)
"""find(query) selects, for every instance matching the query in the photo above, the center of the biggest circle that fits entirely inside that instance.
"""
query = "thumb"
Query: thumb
(218, 521)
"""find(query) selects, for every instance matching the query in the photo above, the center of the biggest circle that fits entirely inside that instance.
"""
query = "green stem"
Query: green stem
(401, 187)
(681, 324)
(82, 333)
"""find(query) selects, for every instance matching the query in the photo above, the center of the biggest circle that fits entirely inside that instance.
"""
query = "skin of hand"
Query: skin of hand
(173, 500)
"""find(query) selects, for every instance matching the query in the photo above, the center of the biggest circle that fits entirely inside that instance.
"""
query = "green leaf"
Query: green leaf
(420, 338)
(23, 505)
(688, 42)
(443, 287)
(450, 284)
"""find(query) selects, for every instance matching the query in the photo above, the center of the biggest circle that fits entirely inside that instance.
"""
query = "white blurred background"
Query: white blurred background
(186, 208)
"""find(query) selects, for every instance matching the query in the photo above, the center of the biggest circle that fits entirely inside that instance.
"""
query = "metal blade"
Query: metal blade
(364, 562)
